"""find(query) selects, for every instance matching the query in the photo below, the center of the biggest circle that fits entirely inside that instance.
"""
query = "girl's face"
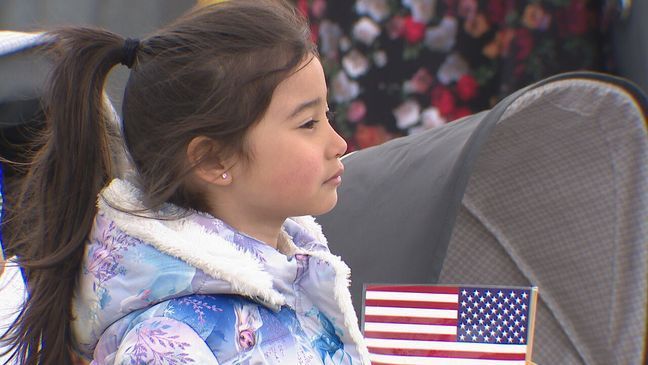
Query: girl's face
(295, 168)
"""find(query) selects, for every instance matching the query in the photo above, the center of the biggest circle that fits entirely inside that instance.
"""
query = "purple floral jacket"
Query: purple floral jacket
(195, 291)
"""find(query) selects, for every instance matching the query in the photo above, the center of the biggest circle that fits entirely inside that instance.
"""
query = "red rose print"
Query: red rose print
(467, 87)
(444, 100)
(414, 31)
(302, 5)
(460, 112)
(524, 43)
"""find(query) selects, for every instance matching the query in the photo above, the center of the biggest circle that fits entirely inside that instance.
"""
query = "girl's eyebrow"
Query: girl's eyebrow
(301, 107)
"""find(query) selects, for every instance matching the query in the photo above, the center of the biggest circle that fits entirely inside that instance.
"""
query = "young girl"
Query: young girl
(204, 254)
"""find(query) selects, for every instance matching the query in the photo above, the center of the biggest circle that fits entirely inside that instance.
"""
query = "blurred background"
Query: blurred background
(394, 67)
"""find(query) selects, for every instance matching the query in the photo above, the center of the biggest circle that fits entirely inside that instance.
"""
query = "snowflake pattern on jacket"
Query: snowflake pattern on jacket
(196, 291)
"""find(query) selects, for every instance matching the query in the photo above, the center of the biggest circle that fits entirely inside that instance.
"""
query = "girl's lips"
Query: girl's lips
(337, 178)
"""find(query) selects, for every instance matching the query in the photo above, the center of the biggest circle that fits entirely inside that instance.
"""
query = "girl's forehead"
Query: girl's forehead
(307, 82)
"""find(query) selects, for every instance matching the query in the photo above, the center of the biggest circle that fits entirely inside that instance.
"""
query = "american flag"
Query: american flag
(430, 325)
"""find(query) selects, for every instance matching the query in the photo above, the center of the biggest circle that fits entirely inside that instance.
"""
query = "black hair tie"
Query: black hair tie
(128, 53)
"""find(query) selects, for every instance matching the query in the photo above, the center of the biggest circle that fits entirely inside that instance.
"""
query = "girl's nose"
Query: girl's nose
(339, 144)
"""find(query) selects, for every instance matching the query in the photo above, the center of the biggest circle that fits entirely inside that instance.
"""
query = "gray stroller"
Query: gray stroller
(549, 188)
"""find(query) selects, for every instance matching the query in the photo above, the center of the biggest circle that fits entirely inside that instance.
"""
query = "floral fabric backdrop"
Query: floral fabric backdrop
(396, 67)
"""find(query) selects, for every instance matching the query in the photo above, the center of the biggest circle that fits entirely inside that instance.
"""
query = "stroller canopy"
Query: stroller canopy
(549, 188)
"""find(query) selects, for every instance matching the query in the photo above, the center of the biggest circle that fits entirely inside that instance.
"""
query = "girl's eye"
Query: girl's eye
(310, 124)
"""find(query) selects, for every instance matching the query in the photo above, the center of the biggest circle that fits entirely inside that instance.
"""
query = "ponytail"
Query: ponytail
(55, 208)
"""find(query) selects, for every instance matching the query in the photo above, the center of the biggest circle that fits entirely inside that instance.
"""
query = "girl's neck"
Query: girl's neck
(263, 230)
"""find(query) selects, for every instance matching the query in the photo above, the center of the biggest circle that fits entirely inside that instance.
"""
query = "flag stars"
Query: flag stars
(492, 316)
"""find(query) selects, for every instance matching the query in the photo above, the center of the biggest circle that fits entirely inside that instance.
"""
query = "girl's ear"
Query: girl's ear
(202, 152)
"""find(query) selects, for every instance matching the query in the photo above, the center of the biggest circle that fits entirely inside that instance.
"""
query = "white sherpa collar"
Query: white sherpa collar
(188, 241)
(217, 257)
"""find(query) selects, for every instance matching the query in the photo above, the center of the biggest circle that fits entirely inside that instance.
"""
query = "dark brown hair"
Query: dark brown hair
(211, 73)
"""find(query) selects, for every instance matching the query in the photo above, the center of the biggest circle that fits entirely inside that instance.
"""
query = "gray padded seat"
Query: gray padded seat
(549, 188)
(559, 199)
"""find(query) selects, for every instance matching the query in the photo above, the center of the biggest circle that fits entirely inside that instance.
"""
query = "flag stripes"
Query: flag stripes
(441, 353)
(418, 360)
(410, 320)
(425, 324)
